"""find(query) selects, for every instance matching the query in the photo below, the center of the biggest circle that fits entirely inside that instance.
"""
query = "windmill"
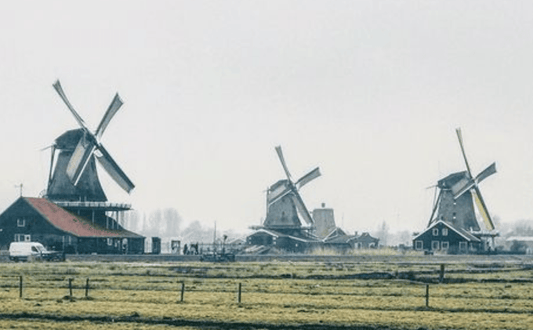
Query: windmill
(285, 206)
(73, 181)
(74, 177)
(459, 197)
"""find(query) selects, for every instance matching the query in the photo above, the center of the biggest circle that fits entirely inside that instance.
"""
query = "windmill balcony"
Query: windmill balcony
(107, 206)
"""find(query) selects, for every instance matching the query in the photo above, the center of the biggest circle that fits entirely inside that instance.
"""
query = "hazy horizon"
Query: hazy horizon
(369, 91)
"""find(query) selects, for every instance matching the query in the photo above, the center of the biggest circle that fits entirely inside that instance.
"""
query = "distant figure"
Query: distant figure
(185, 249)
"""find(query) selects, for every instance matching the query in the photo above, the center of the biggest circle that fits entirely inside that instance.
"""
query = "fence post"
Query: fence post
(427, 295)
(441, 275)
(87, 288)
(182, 291)
(70, 286)
(20, 287)
(239, 295)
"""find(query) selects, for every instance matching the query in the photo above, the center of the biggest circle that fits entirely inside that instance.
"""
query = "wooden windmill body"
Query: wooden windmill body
(73, 181)
(286, 210)
(460, 202)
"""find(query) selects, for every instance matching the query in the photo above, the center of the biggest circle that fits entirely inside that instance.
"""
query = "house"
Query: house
(339, 240)
(40, 220)
(282, 241)
(364, 241)
(443, 237)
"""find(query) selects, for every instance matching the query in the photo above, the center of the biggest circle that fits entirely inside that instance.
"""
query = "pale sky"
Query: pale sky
(370, 91)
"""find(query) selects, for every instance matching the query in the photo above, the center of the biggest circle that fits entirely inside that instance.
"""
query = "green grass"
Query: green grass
(473, 295)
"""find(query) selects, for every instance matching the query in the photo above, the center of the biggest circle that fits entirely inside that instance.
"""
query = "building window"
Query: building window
(21, 222)
(22, 238)
(434, 245)
(444, 231)
(462, 246)
(419, 245)
(445, 245)
(435, 231)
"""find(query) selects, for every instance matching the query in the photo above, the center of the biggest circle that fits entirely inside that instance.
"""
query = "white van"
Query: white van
(24, 251)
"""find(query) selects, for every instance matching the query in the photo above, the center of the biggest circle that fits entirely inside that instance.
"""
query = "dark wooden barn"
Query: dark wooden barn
(289, 243)
(364, 241)
(40, 220)
(443, 237)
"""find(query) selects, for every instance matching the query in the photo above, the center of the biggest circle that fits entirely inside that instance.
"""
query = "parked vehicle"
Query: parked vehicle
(24, 251)
(217, 257)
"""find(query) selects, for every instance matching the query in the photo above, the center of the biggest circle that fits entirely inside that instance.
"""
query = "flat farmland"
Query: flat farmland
(365, 293)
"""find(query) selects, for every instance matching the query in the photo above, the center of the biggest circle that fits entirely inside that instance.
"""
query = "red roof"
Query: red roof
(71, 223)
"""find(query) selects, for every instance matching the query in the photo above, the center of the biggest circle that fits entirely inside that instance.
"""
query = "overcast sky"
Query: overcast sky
(370, 91)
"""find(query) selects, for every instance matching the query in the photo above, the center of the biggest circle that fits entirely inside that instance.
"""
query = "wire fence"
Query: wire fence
(510, 296)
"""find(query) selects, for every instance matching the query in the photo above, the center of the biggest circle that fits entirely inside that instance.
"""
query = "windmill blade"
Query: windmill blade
(298, 201)
(482, 207)
(113, 169)
(111, 111)
(53, 146)
(462, 186)
(490, 170)
(49, 147)
(79, 159)
(282, 160)
(278, 193)
(460, 137)
(308, 178)
(436, 203)
(59, 90)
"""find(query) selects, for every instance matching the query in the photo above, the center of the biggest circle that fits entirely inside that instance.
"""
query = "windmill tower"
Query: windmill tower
(73, 181)
(286, 210)
(459, 198)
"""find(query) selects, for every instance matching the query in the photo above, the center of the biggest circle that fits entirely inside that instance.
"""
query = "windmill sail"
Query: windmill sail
(79, 159)
(283, 164)
(277, 192)
(113, 169)
(111, 111)
(298, 201)
(482, 208)
(308, 178)
(59, 90)
(89, 146)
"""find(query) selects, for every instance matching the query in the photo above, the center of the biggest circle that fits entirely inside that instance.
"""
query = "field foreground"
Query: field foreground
(400, 293)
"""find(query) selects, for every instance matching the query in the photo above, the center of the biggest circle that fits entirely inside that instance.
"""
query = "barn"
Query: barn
(364, 241)
(282, 241)
(442, 237)
(40, 220)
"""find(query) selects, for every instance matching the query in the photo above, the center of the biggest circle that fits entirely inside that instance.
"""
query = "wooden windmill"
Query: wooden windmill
(74, 176)
(73, 181)
(286, 210)
(460, 196)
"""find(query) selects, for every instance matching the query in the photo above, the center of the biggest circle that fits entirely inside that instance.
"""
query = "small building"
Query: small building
(289, 243)
(324, 219)
(40, 220)
(442, 237)
(520, 244)
(364, 241)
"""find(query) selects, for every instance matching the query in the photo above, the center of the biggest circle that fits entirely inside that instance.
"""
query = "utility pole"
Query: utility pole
(20, 188)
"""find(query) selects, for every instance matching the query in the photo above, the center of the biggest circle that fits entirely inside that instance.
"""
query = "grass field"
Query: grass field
(275, 295)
